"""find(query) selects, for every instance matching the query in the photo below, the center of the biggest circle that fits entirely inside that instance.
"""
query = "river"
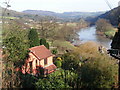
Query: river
(89, 34)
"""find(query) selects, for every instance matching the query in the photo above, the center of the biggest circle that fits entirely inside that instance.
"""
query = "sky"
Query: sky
(61, 5)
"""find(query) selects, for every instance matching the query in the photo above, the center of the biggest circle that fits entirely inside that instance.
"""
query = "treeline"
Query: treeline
(112, 16)
(104, 28)
(59, 31)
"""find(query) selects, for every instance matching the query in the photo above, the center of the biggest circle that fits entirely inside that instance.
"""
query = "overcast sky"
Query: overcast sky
(61, 5)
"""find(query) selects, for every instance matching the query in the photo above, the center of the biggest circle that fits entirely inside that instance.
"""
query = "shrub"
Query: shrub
(54, 51)
(58, 63)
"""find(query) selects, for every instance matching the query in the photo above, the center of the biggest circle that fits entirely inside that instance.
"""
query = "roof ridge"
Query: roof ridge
(41, 52)
(36, 46)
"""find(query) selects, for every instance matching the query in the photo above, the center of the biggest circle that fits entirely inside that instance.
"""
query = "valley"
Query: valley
(46, 50)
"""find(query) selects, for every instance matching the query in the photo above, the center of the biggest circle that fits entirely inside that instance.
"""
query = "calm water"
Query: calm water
(89, 34)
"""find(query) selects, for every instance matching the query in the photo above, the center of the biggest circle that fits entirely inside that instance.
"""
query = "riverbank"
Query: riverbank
(90, 34)
(105, 28)
(108, 34)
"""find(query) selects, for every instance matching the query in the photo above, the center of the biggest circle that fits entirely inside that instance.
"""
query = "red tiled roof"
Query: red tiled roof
(41, 52)
(51, 67)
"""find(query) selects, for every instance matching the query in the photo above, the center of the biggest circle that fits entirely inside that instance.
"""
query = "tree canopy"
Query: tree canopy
(15, 50)
(16, 46)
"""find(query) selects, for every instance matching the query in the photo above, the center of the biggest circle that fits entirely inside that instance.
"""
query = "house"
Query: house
(39, 62)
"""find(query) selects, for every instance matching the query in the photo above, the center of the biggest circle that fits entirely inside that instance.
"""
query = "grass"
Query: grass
(8, 17)
(110, 33)
(63, 45)
(72, 24)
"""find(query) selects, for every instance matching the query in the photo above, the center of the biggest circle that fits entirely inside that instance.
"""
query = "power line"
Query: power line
(4, 10)
(109, 5)
(7, 6)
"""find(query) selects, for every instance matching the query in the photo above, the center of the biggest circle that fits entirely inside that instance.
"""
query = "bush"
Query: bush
(98, 73)
(58, 63)
(28, 81)
(54, 51)
(97, 70)
(52, 81)
(71, 61)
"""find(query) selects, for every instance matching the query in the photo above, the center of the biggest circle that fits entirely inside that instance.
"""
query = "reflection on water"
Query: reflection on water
(89, 34)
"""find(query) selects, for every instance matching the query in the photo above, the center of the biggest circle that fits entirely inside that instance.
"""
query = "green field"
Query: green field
(63, 45)
(110, 33)
(8, 17)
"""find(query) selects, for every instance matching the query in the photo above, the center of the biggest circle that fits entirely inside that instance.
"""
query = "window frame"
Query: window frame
(45, 61)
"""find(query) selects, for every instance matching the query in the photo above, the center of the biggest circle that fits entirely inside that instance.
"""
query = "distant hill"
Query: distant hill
(40, 12)
(111, 15)
(67, 16)
(12, 13)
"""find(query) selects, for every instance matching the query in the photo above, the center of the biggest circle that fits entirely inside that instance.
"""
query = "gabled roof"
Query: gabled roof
(41, 52)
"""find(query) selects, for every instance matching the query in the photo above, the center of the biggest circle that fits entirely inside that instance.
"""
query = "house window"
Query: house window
(36, 63)
(30, 67)
(45, 61)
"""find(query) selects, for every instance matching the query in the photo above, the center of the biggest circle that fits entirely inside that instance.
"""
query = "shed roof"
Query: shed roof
(51, 67)
(41, 52)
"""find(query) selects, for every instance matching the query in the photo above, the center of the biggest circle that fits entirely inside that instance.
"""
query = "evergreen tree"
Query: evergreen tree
(44, 42)
(33, 38)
